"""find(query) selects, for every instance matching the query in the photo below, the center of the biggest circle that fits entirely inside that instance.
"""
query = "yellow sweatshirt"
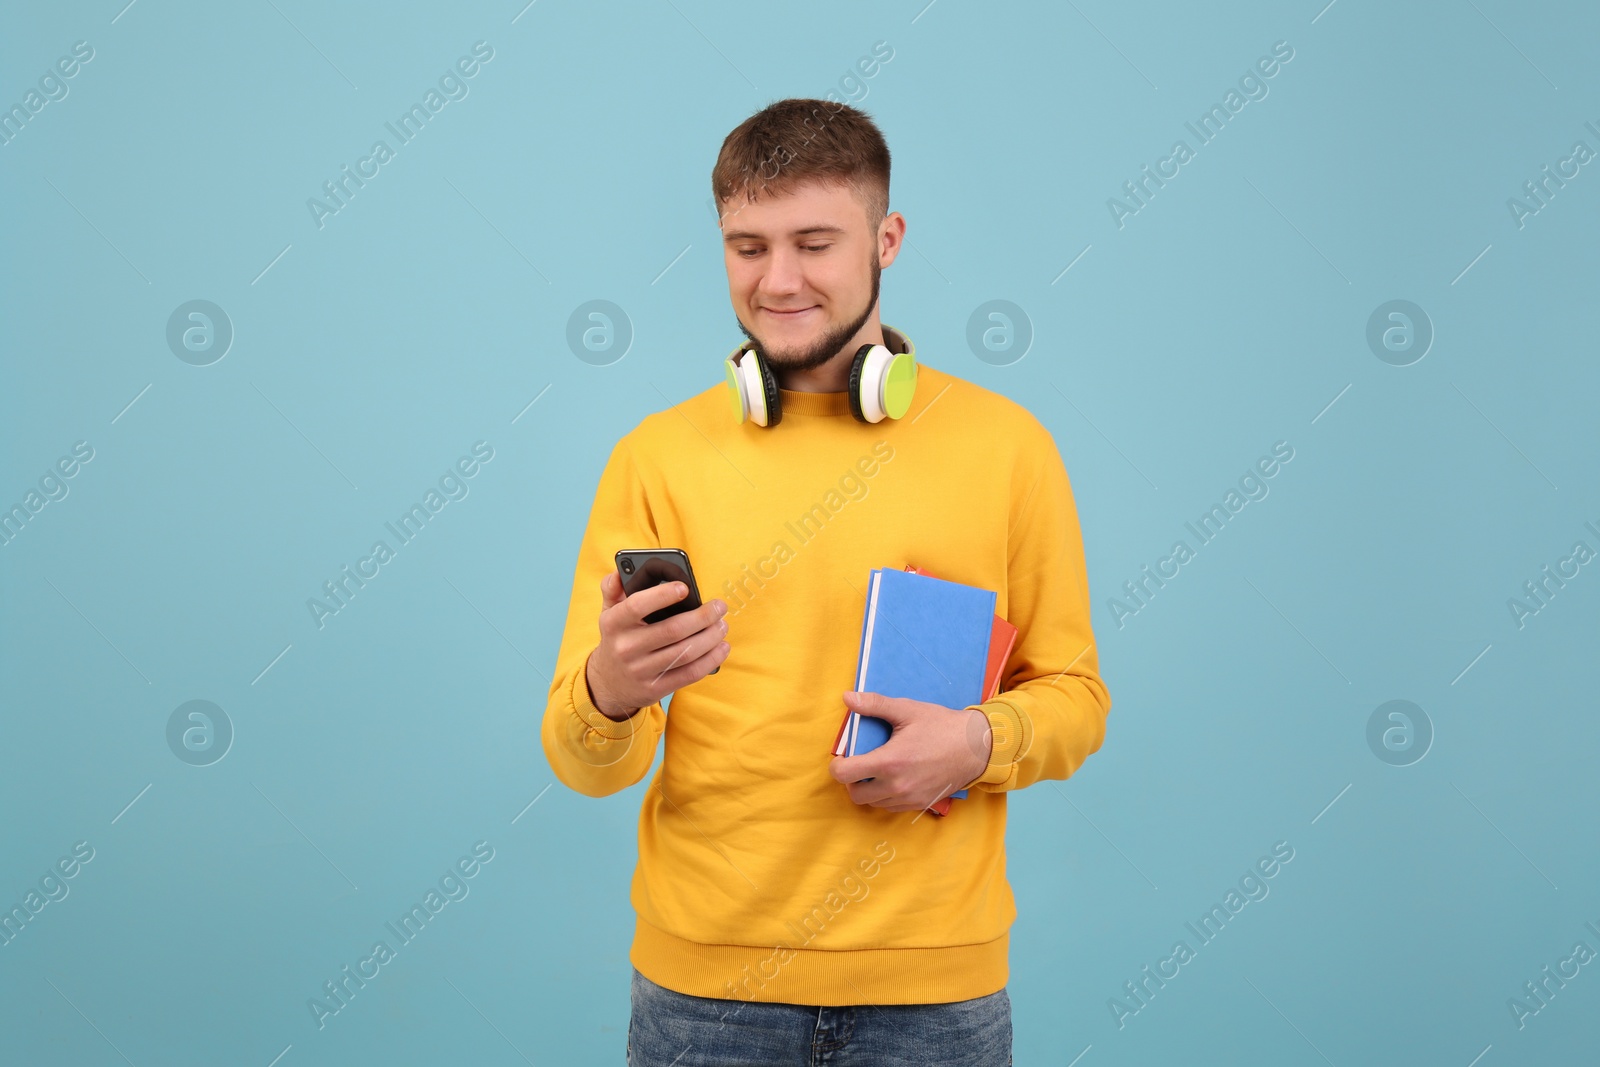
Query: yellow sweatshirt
(758, 878)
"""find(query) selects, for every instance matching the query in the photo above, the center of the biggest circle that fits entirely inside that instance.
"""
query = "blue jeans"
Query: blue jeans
(672, 1029)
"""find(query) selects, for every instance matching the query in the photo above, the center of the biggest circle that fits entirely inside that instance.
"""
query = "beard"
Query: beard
(825, 347)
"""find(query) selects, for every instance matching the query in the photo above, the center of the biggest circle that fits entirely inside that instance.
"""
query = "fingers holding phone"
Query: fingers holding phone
(655, 635)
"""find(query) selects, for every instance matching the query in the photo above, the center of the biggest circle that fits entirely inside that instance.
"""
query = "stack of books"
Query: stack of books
(926, 639)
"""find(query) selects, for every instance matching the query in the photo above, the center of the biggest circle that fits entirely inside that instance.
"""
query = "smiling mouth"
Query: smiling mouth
(787, 314)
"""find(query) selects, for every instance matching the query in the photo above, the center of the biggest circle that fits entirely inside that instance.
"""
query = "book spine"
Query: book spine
(864, 649)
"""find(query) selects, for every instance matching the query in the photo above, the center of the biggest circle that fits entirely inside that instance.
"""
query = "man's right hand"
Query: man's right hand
(637, 663)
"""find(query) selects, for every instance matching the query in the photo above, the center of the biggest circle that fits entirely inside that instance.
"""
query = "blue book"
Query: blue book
(923, 638)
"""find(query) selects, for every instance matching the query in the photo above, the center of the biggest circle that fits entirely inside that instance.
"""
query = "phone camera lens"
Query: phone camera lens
(627, 566)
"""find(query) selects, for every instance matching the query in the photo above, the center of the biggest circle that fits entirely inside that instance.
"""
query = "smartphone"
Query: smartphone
(641, 568)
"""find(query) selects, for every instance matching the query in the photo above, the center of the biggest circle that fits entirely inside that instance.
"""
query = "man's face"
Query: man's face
(802, 272)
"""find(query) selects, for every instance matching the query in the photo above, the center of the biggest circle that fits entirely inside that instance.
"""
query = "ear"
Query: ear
(892, 237)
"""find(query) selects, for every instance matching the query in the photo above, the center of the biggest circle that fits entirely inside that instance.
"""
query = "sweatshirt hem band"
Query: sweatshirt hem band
(821, 977)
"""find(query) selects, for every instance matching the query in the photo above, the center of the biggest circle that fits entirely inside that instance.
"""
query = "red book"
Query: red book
(1002, 638)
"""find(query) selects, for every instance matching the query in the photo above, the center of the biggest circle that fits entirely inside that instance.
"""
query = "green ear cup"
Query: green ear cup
(733, 390)
(900, 384)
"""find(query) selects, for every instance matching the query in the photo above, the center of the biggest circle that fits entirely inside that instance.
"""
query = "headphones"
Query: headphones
(881, 384)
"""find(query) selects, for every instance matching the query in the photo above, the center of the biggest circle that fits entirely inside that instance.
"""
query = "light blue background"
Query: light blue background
(1228, 314)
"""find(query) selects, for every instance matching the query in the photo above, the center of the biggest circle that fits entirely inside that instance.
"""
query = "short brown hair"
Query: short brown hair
(799, 140)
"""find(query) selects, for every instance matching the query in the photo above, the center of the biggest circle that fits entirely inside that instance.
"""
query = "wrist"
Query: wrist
(980, 741)
(609, 709)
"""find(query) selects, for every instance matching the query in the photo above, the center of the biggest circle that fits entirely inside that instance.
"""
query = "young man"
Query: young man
(786, 910)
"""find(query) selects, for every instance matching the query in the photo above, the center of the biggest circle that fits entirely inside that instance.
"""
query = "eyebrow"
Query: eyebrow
(744, 235)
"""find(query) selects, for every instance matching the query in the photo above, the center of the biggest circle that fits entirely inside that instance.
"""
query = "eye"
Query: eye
(748, 253)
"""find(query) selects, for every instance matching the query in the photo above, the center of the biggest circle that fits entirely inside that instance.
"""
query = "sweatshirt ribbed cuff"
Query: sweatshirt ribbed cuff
(1010, 730)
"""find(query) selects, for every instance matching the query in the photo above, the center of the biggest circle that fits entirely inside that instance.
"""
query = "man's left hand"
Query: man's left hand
(932, 752)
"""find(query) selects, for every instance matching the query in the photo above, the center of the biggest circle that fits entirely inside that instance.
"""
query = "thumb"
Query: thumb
(611, 593)
(876, 705)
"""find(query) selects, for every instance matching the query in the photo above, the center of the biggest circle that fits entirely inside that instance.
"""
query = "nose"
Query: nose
(783, 275)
